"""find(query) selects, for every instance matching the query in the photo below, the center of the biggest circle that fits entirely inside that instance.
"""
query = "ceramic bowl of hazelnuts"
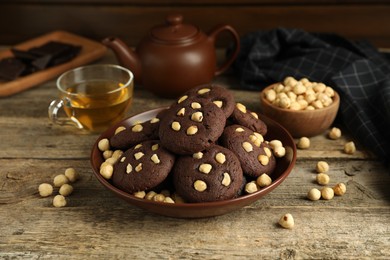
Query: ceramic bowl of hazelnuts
(303, 107)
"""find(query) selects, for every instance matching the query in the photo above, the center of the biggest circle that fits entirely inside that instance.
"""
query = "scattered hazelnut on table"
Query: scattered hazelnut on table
(65, 190)
(71, 174)
(303, 143)
(59, 201)
(322, 167)
(45, 189)
(350, 148)
(60, 180)
(314, 194)
(334, 133)
(322, 178)
(340, 189)
(287, 221)
(327, 193)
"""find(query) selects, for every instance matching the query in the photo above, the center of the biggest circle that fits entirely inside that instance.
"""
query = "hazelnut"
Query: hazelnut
(280, 151)
(334, 133)
(287, 221)
(104, 145)
(137, 128)
(218, 103)
(181, 112)
(226, 179)
(340, 189)
(241, 107)
(71, 174)
(182, 99)
(322, 167)
(154, 120)
(303, 143)
(192, 130)
(119, 129)
(327, 193)
(168, 200)
(45, 189)
(220, 158)
(60, 180)
(203, 91)
(65, 190)
(200, 185)
(251, 187)
(314, 194)
(155, 159)
(350, 148)
(264, 180)
(159, 197)
(139, 194)
(205, 168)
(176, 126)
(106, 170)
(138, 155)
(247, 147)
(322, 178)
(138, 168)
(150, 195)
(263, 159)
(59, 201)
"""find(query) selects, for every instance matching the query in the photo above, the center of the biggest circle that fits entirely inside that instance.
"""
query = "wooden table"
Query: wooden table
(97, 225)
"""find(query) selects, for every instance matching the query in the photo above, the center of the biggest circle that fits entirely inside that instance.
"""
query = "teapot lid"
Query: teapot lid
(174, 31)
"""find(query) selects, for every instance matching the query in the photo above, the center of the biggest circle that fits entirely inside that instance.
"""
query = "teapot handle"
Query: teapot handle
(213, 35)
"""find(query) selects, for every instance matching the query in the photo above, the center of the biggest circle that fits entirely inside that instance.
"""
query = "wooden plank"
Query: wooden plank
(131, 22)
(95, 221)
(197, 2)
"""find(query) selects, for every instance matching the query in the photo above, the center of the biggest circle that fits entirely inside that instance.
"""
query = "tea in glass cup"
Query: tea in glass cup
(93, 97)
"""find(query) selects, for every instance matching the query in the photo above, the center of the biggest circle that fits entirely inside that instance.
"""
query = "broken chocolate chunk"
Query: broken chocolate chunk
(26, 56)
(42, 62)
(11, 68)
(37, 58)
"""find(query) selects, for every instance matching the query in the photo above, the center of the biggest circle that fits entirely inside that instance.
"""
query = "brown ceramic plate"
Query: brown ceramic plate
(91, 51)
(199, 210)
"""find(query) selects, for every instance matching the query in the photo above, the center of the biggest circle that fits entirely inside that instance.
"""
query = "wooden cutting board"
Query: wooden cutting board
(91, 51)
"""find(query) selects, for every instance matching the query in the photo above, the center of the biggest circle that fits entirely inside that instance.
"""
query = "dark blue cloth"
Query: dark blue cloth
(356, 70)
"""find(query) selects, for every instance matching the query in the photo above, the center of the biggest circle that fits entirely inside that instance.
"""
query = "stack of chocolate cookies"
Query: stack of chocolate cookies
(205, 147)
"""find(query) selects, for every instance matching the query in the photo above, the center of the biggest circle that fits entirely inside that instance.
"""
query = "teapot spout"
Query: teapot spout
(126, 56)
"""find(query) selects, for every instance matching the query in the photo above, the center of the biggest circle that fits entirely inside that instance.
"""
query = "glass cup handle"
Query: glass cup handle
(53, 110)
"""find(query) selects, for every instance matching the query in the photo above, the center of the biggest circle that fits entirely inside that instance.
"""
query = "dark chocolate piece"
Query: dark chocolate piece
(11, 68)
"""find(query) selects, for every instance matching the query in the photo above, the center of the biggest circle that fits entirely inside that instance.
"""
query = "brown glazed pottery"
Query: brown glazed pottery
(301, 122)
(199, 210)
(174, 57)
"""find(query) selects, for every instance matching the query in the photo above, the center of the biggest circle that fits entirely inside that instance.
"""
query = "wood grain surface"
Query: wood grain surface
(132, 19)
(97, 225)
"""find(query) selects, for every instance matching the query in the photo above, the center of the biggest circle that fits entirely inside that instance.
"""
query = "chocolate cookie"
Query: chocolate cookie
(124, 138)
(255, 155)
(243, 116)
(212, 175)
(142, 167)
(191, 126)
(217, 94)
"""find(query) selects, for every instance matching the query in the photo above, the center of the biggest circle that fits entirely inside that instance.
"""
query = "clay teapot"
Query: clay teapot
(174, 57)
